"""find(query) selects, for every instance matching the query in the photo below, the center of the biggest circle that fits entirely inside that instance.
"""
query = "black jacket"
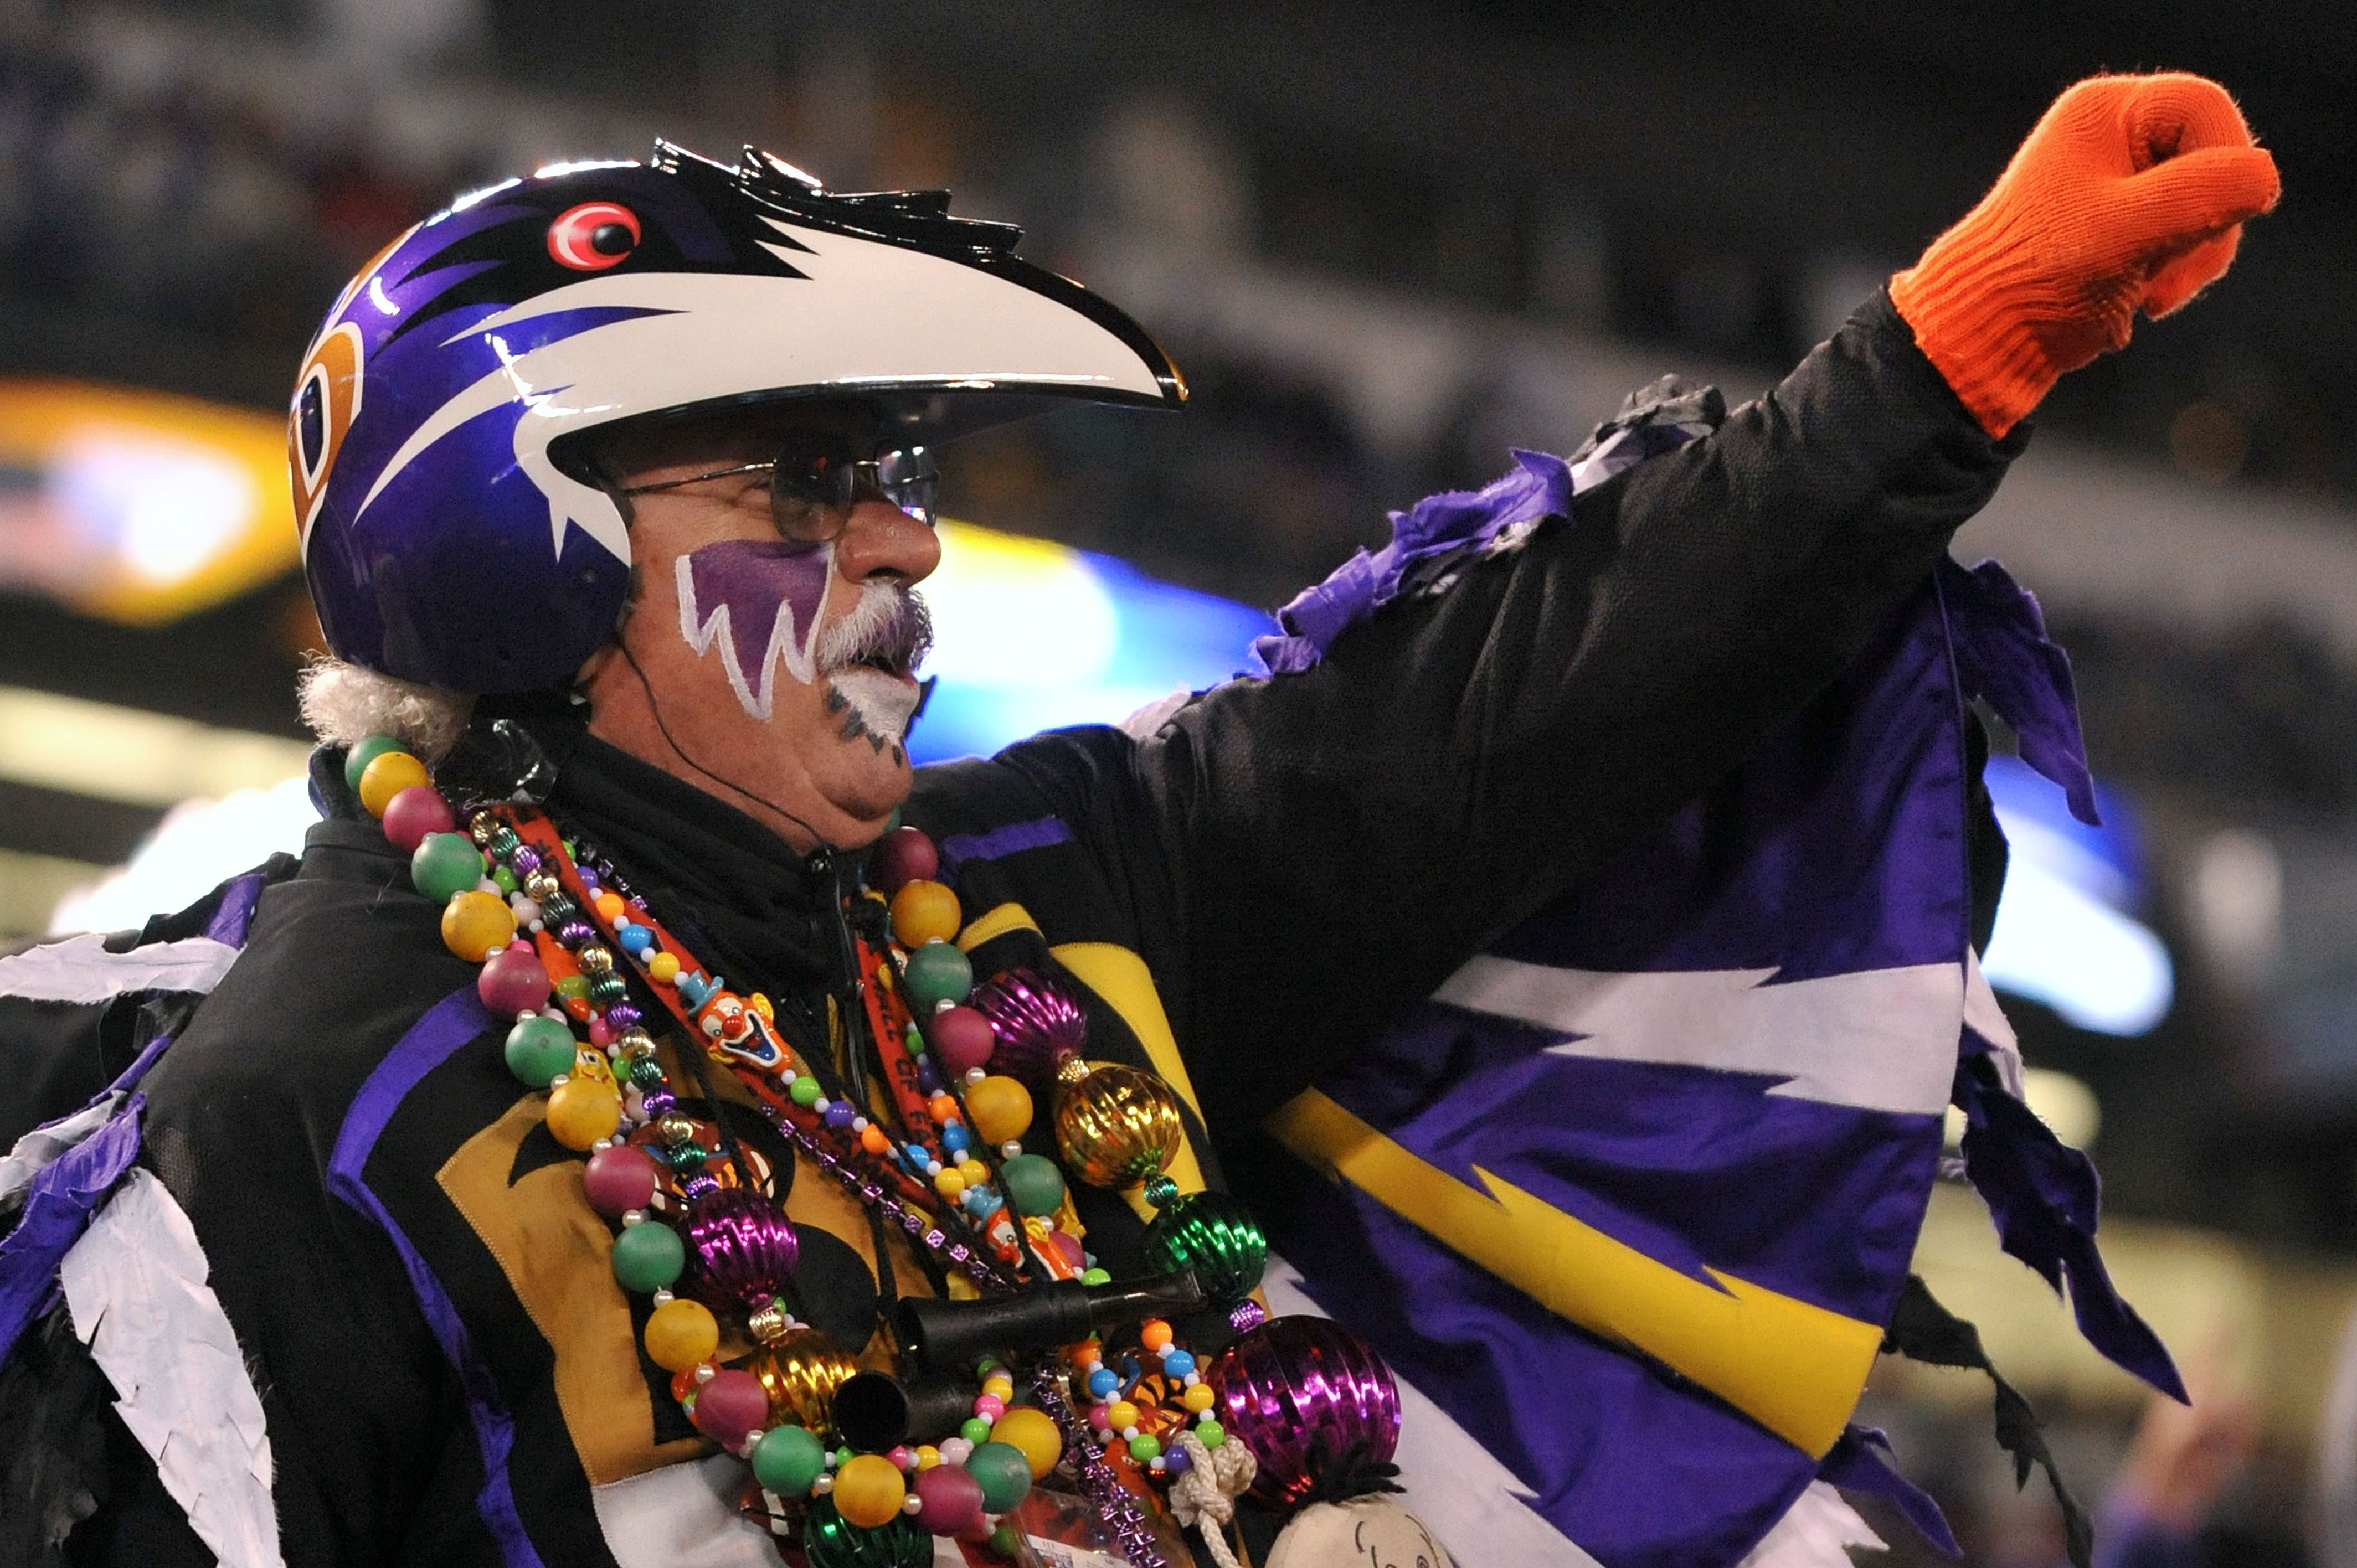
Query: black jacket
(1279, 869)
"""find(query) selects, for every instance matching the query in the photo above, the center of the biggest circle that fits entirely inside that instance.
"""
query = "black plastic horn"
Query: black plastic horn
(948, 1335)
(875, 1412)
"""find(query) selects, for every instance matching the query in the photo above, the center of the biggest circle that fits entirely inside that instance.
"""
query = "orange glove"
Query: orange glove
(2131, 192)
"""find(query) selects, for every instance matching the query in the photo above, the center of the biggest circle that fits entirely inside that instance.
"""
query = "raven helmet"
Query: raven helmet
(444, 544)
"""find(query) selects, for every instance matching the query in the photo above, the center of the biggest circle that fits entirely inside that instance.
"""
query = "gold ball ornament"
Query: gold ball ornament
(999, 1107)
(1115, 1125)
(682, 1335)
(581, 1111)
(869, 1491)
(387, 775)
(800, 1371)
(924, 912)
(1033, 1434)
(475, 925)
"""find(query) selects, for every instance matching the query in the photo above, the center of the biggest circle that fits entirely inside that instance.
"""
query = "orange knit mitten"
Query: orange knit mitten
(2131, 192)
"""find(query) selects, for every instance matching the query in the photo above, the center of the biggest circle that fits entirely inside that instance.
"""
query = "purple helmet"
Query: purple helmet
(442, 542)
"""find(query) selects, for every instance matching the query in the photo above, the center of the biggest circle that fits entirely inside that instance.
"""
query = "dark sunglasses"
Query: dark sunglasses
(814, 485)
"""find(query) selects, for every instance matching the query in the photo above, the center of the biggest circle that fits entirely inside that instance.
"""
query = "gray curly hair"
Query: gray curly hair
(343, 702)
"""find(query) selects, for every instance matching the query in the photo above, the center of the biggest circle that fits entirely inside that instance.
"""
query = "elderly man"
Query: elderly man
(572, 1118)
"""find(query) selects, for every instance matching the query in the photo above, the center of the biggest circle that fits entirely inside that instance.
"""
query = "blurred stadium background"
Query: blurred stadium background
(1385, 242)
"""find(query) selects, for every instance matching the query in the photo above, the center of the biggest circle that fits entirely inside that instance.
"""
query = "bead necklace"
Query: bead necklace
(932, 1148)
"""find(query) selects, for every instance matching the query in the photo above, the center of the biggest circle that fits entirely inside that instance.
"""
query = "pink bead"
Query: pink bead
(513, 982)
(962, 1036)
(619, 1179)
(904, 855)
(990, 1405)
(904, 1456)
(948, 1500)
(601, 1033)
(1100, 1418)
(415, 812)
(732, 1404)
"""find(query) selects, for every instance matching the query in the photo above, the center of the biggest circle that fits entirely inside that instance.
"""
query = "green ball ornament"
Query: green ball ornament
(788, 1458)
(937, 973)
(1034, 1186)
(974, 1430)
(1145, 1449)
(365, 750)
(1211, 1434)
(538, 1049)
(1003, 1472)
(804, 1089)
(648, 1256)
(1213, 1234)
(445, 865)
(831, 1540)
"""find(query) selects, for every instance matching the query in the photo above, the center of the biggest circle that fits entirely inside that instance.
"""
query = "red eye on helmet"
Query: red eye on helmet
(593, 236)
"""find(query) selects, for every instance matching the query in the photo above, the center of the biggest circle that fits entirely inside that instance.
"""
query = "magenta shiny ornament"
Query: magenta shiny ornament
(729, 1406)
(1296, 1385)
(1037, 1021)
(739, 1249)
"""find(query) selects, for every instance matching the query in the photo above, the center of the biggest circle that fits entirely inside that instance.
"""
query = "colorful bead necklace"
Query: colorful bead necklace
(931, 1145)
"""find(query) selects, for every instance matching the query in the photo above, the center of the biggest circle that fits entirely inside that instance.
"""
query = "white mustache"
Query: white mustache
(888, 619)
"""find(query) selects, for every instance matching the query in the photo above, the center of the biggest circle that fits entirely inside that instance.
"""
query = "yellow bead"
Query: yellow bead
(949, 1184)
(664, 968)
(1122, 1414)
(1004, 1387)
(924, 912)
(1199, 1397)
(927, 1457)
(1033, 1434)
(387, 776)
(581, 1111)
(475, 925)
(682, 1335)
(869, 1491)
(999, 1107)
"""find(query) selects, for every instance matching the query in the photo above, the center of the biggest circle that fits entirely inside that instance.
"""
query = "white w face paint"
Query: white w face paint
(759, 601)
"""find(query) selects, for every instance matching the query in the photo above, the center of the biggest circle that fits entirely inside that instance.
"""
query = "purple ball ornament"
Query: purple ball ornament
(1035, 1021)
(740, 1247)
(1294, 1384)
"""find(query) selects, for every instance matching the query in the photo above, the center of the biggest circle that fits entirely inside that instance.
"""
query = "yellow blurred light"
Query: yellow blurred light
(125, 754)
(149, 506)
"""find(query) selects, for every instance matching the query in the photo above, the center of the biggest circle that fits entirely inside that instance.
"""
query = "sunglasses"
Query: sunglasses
(813, 485)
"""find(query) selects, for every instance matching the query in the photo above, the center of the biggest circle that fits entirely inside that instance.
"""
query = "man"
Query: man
(614, 483)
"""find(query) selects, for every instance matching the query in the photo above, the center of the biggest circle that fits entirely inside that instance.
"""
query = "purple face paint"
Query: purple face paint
(760, 599)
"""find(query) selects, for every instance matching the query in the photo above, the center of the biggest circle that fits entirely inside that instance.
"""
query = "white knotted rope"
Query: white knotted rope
(1205, 1493)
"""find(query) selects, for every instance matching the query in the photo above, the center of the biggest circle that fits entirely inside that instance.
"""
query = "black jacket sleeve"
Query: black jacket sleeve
(1335, 843)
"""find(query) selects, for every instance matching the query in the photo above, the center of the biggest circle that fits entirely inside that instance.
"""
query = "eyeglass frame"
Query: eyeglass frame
(868, 482)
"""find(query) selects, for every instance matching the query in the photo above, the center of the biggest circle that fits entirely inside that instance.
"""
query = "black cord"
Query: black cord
(655, 708)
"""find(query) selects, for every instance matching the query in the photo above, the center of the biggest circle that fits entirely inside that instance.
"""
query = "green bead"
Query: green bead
(365, 750)
(830, 1541)
(1211, 1434)
(788, 1460)
(687, 1156)
(804, 1089)
(608, 988)
(1213, 1234)
(1005, 1541)
(973, 1429)
(503, 879)
(573, 987)
(646, 1072)
(538, 1049)
(938, 972)
(1160, 1191)
(1145, 1449)
(1095, 1277)
(913, 1042)
(1034, 1186)
(1003, 1472)
(648, 1256)
(445, 865)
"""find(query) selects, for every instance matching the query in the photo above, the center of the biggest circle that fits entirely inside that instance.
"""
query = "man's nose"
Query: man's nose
(879, 539)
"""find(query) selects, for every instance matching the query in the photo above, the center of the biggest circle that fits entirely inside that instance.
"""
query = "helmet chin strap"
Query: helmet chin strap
(655, 708)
